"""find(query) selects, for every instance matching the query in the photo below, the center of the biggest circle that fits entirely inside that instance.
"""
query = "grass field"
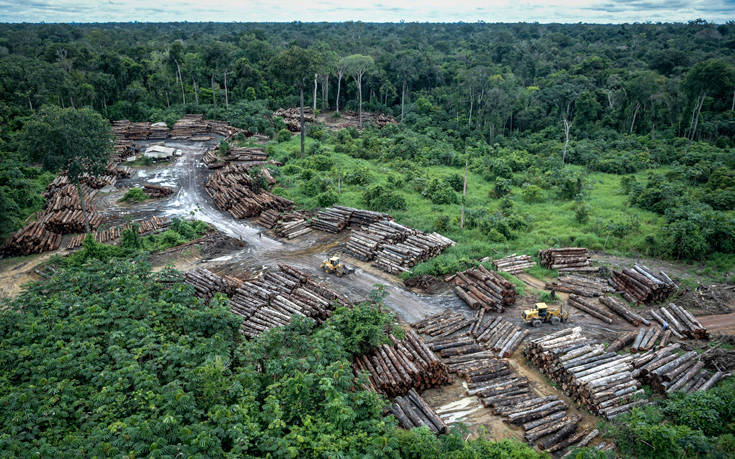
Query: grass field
(612, 225)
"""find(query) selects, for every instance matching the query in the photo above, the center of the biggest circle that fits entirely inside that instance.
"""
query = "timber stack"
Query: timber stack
(366, 242)
(412, 411)
(112, 235)
(621, 309)
(641, 285)
(206, 284)
(595, 310)
(246, 154)
(668, 371)
(580, 285)
(500, 336)
(159, 131)
(645, 339)
(418, 247)
(349, 118)
(212, 160)
(601, 380)
(139, 131)
(157, 191)
(567, 259)
(481, 288)
(191, 125)
(292, 117)
(233, 190)
(292, 225)
(407, 364)
(269, 218)
(32, 238)
(680, 321)
(514, 264)
(332, 219)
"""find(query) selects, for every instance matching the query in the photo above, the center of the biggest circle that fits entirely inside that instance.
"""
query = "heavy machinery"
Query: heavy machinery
(543, 313)
(333, 265)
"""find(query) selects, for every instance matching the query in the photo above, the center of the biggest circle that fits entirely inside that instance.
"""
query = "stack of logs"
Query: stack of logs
(157, 191)
(113, 234)
(599, 379)
(579, 285)
(595, 310)
(158, 131)
(644, 339)
(269, 218)
(191, 127)
(349, 118)
(680, 321)
(270, 300)
(405, 364)
(32, 238)
(365, 242)
(641, 285)
(212, 160)
(567, 259)
(292, 225)
(292, 117)
(621, 309)
(417, 247)
(481, 288)
(514, 264)
(332, 219)
(667, 371)
(247, 154)
(412, 411)
(233, 190)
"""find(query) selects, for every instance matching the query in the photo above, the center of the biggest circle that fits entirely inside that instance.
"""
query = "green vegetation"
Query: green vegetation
(110, 359)
(699, 424)
(132, 245)
(135, 195)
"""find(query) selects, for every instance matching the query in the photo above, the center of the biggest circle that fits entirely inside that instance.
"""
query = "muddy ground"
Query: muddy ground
(241, 248)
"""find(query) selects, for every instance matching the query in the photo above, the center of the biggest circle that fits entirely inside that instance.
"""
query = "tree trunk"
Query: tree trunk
(403, 99)
(181, 82)
(227, 99)
(464, 193)
(315, 86)
(635, 113)
(359, 92)
(196, 91)
(214, 94)
(567, 125)
(339, 81)
(168, 104)
(472, 101)
(84, 208)
(303, 131)
(732, 107)
(696, 119)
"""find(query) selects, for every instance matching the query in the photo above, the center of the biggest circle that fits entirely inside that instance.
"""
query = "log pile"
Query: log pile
(332, 219)
(500, 336)
(233, 190)
(212, 160)
(443, 324)
(206, 284)
(190, 125)
(514, 264)
(157, 191)
(139, 131)
(292, 227)
(418, 247)
(292, 117)
(481, 288)
(680, 321)
(641, 285)
(602, 381)
(249, 154)
(349, 118)
(580, 285)
(269, 218)
(567, 259)
(406, 364)
(621, 309)
(595, 310)
(159, 131)
(668, 371)
(645, 339)
(412, 411)
(32, 238)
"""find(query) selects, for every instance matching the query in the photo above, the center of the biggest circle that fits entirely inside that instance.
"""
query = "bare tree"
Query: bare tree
(358, 65)
(340, 70)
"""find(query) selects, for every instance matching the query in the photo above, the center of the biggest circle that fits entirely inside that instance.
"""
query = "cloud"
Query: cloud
(605, 11)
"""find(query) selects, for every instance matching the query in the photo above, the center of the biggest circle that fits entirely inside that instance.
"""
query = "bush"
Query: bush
(320, 162)
(381, 199)
(314, 186)
(284, 135)
(439, 192)
(135, 195)
(327, 198)
(455, 182)
(360, 175)
(532, 194)
(501, 187)
(581, 212)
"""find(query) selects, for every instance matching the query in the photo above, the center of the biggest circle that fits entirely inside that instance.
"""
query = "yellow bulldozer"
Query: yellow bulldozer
(333, 265)
(543, 313)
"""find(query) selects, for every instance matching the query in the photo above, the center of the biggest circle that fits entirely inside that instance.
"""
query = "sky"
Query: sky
(566, 11)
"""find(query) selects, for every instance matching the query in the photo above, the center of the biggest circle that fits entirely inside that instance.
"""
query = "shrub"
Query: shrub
(135, 195)
(441, 223)
(284, 135)
(501, 187)
(361, 175)
(455, 182)
(439, 192)
(327, 198)
(379, 198)
(532, 193)
(314, 186)
(321, 162)
(581, 212)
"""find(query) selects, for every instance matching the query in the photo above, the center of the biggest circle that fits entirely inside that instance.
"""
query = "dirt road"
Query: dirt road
(719, 324)
(189, 174)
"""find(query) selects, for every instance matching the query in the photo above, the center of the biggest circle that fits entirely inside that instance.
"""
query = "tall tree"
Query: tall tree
(76, 141)
(294, 66)
(340, 69)
(357, 66)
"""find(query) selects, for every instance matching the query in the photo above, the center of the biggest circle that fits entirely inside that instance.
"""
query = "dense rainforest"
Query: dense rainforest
(618, 137)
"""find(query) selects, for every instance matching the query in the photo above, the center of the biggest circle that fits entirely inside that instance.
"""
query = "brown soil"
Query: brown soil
(16, 272)
(720, 324)
(425, 284)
